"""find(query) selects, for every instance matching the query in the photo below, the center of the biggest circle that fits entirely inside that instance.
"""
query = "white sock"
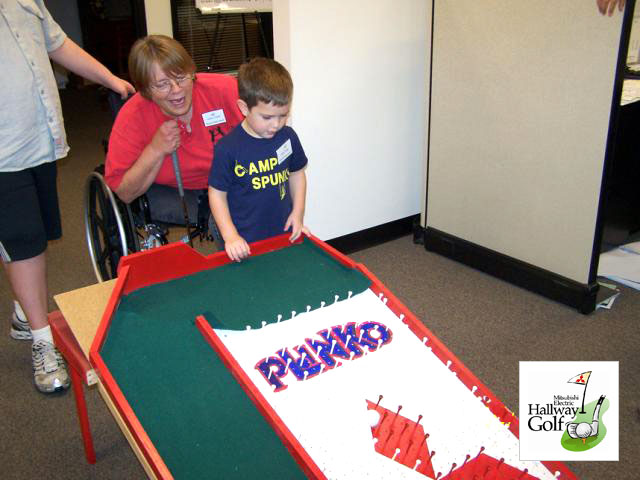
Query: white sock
(42, 334)
(19, 312)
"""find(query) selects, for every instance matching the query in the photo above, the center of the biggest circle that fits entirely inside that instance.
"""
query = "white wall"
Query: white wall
(359, 71)
(633, 55)
(522, 93)
(158, 13)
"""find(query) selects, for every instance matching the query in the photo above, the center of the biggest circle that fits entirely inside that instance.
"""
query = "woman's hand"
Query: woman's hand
(167, 138)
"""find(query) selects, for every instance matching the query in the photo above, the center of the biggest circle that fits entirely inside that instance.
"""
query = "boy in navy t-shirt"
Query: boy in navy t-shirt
(257, 184)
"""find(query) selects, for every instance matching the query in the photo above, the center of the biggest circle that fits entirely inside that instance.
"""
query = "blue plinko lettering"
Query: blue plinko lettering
(327, 349)
(318, 355)
(303, 365)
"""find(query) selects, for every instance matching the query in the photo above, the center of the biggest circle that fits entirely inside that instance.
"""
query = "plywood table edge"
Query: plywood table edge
(134, 446)
(83, 308)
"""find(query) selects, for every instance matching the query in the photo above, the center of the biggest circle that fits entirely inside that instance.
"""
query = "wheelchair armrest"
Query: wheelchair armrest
(140, 207)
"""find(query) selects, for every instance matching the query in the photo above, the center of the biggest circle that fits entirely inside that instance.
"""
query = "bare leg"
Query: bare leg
(28, 279)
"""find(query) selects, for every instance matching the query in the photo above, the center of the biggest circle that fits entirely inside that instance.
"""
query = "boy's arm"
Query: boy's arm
(298, 186)
(236, 247)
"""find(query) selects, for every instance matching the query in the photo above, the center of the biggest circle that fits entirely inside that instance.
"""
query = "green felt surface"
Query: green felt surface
(196, 414)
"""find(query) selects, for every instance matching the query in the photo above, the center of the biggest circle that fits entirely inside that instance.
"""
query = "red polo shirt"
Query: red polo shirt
(215, 113)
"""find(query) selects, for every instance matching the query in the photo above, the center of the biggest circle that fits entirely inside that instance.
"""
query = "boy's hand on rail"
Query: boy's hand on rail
(237, 248)
(294, 222)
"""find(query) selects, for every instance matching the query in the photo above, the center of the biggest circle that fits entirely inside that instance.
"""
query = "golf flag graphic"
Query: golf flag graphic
(581, 379)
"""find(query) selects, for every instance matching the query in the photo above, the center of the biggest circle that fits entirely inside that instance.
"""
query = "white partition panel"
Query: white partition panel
(520, 107)
(359, 71)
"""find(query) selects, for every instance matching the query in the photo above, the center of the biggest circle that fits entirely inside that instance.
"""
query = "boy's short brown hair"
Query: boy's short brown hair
(164, 51)
(265, 80)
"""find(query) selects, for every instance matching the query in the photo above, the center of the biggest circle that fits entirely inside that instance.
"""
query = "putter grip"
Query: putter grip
(176, 170)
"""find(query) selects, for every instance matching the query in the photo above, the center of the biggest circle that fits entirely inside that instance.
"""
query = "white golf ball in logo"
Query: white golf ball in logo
(583, 430)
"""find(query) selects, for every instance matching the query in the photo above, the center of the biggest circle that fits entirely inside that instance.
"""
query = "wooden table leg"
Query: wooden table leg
(83, 415)
(80, 370)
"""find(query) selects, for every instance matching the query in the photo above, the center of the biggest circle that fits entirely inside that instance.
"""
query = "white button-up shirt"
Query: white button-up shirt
(31, 124)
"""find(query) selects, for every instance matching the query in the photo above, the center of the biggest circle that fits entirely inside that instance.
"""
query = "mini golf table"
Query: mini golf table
(295, 363)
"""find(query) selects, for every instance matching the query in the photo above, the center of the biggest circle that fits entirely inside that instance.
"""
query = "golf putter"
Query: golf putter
(176, 170)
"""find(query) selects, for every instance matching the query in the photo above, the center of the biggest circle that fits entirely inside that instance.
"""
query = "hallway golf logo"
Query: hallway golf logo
(560, 419)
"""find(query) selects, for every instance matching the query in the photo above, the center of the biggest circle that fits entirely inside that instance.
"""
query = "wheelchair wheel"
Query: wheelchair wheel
(110, 230)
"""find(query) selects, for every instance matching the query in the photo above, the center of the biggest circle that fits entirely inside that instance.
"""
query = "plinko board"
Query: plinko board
(316, 371)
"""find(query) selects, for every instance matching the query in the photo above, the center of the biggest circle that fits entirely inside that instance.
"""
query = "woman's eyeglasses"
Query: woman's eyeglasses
(164, 86)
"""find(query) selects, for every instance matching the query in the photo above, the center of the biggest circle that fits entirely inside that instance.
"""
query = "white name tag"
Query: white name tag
(284, 151)
(214, 117)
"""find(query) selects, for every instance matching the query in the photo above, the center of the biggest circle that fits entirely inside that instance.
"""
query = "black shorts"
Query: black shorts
(29, 212)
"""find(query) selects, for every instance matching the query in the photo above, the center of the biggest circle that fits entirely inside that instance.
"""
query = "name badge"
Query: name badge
(214, 117)
(284, 151)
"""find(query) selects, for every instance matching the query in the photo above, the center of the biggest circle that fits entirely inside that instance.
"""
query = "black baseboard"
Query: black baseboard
(373, 236)
(551, 285)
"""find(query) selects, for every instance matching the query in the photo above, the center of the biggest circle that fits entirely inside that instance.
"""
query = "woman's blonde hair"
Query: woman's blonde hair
(164, 51)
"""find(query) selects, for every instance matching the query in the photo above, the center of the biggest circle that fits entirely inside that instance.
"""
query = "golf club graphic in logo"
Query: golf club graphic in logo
(587, 429)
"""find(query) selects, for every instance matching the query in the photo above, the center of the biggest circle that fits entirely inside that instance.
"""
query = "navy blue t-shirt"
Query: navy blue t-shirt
(255, 174)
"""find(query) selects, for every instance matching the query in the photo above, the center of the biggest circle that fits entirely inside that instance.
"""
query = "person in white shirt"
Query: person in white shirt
(32, 138)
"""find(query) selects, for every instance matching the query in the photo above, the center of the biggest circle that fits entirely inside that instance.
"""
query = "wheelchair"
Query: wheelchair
(115, 229)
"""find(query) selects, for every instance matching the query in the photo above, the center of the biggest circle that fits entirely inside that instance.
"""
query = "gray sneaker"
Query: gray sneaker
(20, 330)
(49, 370)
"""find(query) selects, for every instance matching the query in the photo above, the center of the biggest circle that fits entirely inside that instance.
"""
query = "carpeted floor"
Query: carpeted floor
(489, 324)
